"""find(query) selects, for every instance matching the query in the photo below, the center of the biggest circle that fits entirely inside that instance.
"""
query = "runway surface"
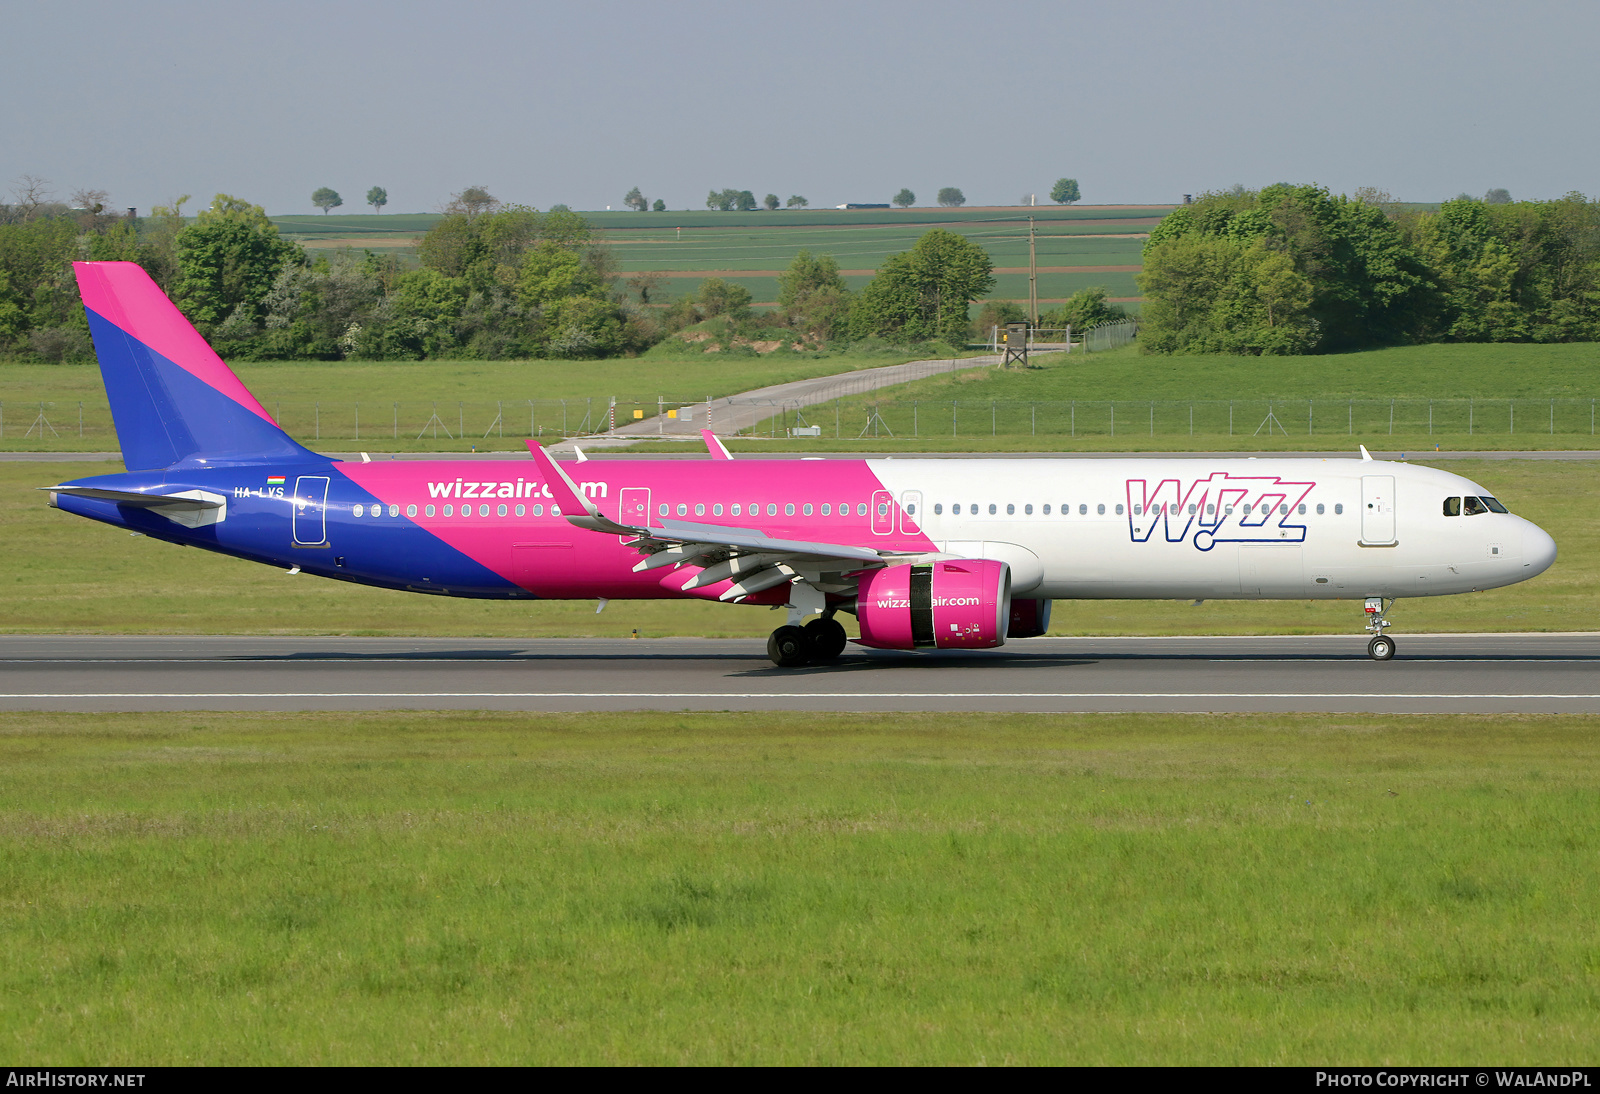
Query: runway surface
(600, 454)
(1533, 673)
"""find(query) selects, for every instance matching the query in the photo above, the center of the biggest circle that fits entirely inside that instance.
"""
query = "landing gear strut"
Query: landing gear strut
(819, 640)
(1382, 647)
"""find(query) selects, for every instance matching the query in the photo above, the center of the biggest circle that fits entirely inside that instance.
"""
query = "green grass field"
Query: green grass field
(69, 575)
(346, 402)
(1404, 399)
(723, 889)
(1469, 387)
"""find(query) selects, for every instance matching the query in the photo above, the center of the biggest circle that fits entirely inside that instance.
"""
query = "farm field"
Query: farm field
(412, 888)
(69, 575)
(751, 248)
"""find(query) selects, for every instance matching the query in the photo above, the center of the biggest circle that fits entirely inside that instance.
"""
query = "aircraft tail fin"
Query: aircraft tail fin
(172, 398)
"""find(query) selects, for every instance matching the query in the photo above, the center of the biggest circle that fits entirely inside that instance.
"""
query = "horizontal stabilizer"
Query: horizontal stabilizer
(190, 508)
(138, 500)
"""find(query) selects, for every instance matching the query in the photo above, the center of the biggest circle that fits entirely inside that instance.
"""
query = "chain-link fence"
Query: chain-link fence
(1133, 419)
(371, 421)
(845, 410)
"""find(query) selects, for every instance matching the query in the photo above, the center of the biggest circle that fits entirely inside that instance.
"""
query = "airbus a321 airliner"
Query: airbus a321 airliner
(926, 554)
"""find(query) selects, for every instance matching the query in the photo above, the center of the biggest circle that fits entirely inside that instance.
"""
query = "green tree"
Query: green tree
(812, 297)
(487, 248)
(326, 198)
(551, 272)
(659, 206)
(228, 260)
(905, 198)
(1084, 310)
(1497, 196)
(377, 197)
(1210, 287)
(472, 202)
(636, 201)
(1065, 191)
(746, 202)
(951, 197)
(770, 201)
(796, 202)
(719, 297)
(925, 293)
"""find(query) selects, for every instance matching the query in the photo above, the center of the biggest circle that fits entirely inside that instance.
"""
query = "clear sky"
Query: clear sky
(575, 102)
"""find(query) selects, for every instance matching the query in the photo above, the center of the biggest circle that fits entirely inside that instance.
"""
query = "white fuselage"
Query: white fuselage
(1271, 528)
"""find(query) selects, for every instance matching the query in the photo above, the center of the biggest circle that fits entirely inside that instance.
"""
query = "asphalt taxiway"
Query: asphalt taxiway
(1485, 673)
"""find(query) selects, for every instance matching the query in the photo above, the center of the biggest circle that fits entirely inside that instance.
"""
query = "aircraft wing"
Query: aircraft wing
(749, 558)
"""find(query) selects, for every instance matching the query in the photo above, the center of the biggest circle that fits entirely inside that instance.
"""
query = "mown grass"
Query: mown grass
(312, 397)
(67, 574)
(961, 889)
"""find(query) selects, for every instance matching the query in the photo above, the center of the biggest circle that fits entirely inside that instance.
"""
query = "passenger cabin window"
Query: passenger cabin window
(1475, 507)
(938, 508)
(1452, 507)
(1101, 509)
(1338, 508)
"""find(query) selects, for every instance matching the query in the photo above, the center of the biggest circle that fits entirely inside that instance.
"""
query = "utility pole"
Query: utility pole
(1033, 277)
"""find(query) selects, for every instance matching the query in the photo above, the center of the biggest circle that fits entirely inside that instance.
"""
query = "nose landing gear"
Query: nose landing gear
(1381, 647)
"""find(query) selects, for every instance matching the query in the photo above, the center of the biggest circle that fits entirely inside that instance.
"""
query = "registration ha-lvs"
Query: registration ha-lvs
(926, 554)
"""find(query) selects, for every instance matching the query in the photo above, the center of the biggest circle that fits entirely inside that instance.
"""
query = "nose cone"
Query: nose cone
(1538, 550)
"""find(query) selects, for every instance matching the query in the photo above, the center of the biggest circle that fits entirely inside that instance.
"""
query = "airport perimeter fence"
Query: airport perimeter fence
(844, 410)
(370, 421)
(1261, 418)
(376, 420)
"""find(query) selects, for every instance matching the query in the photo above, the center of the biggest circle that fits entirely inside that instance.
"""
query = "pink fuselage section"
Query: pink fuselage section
(475, 507)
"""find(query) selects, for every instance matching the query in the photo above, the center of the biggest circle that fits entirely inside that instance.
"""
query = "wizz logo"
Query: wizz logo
(1223, 508)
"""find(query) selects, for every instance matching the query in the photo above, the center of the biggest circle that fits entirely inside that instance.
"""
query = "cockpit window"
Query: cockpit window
(1475, 507)
(1452, 507)
(1494, 506)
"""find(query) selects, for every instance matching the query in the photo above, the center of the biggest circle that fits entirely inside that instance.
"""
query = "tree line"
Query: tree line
(495, 281)
(1295, 269)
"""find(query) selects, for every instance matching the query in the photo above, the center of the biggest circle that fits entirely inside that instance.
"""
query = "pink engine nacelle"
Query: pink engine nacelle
(962, 604)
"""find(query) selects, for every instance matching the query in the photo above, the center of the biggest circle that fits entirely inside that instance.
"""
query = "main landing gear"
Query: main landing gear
(1382, 647)
(819, 640)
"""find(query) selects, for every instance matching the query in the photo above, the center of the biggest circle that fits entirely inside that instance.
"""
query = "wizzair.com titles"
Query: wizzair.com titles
(937, 602)
(522, 488)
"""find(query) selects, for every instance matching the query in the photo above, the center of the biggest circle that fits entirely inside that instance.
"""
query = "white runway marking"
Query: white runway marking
(791, 695)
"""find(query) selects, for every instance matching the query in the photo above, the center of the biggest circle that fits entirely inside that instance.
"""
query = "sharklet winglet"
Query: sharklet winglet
(577, 509)
(714, 445)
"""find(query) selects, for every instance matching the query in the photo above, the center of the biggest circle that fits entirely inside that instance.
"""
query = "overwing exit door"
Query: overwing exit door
(882, 513)
(1377, 511)
(311, 510)
(910, 512)
(634, 508)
